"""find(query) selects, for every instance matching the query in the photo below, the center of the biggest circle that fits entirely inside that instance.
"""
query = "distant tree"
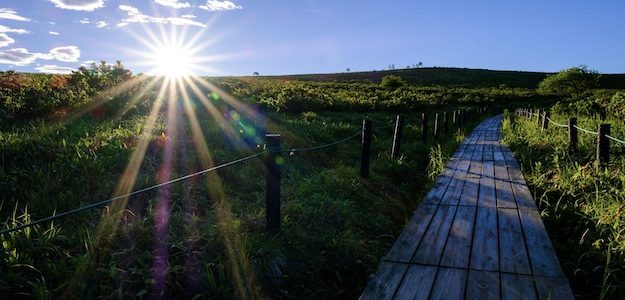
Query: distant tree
(256, 74)
(575, 83)
(419, 64)
(392, 82)
(347, 69)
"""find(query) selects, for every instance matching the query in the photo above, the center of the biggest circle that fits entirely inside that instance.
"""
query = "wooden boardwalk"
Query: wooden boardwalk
(477, 234)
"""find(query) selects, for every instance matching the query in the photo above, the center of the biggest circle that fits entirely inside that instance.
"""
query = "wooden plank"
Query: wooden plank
(458, 246)
(498, 154)
(487, 196)
(449, 284)
(523, 196)
(504, 193)
(485, 247)
(515, 174)
(409, 239)
(517, 287)
(431, 247)
(513, 254)
(385, 281)
(452, 194)
(470, 191)
(477, 152)
(488, 152)
(553, 288)
(543, 256)
(483, 285)
(417, 283)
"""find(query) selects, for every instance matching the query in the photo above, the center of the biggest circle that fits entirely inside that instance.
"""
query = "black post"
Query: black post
(572, 133)
(424, 127)
(272, 200)
(399, 128)
(436, 129)
(603, 144)
(366, 148)
(545, 120)
(445, 123)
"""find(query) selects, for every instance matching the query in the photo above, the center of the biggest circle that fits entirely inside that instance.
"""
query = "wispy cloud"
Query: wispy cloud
(5, 40)
(7, 13)
(17, 57)
(214, 5)
(54, 69)
(5, 29)
(66, 54)
(98, 23)
(53, 33)
(172, 3)
(136, 16)
(22, 57)
(86, 5)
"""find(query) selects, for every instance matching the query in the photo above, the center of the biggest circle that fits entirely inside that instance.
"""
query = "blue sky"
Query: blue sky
(240, 37)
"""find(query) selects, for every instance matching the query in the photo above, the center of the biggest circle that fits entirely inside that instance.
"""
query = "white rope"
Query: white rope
(586, 130)
(557, 124)
(615, 139)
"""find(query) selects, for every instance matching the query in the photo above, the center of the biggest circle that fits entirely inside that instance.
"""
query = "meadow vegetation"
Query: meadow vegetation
(67, 140)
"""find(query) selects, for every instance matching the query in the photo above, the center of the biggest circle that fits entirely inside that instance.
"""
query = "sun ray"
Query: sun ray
(235, 247)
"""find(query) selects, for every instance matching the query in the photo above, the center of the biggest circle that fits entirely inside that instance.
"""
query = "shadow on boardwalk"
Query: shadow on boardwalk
(476, 235)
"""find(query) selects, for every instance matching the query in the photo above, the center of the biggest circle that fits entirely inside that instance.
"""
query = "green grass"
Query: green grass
(336, 226)
(581, 204)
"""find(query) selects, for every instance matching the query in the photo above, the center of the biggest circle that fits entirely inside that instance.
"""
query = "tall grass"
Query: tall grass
(582, 203)
(335, 225)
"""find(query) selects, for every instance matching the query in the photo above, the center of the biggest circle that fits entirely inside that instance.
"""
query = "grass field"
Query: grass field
(204, 236)
(581, 204)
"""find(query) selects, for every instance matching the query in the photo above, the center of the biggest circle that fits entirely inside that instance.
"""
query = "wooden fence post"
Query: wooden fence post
(436, 129)
(545, 120)
(530, 114)
(603, 144)
(538, 117)
(454, 118)
(272, 199)
(572, 133)
(366, 149)
(399, 128)
(445, 123)
(424, 127)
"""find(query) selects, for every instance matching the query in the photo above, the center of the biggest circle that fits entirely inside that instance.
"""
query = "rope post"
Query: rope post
(530, 114)
(436, 129)
(545, 120)
(537, 115)
(366, 148)
(399, 128)
(603, 144)
(572, 133)
(454, 118)
(445, 123)
(424, 127)
(272, 200)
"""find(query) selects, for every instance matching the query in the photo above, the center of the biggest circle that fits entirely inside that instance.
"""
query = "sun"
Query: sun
(173, 61)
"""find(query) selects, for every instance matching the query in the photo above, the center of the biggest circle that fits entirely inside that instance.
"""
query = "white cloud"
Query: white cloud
(66, 54)
(172, 3)
(17, 57)
(52, 23)
(101, 24)
(53, 33)
(86, 5)
(189, 16)
(7, 13)
(5, 29)
(87, 63)
(135, 16)
(98, 23)
(84, 21)
(5, 40)
(54, 69)
(214, 5)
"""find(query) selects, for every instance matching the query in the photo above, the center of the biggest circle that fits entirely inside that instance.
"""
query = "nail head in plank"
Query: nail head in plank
(483, 285)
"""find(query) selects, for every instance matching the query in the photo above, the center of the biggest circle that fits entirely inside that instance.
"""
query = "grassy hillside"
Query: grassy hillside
(452, 77)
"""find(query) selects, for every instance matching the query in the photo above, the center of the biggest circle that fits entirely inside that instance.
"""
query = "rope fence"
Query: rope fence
(603, 132)
(271, 152)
